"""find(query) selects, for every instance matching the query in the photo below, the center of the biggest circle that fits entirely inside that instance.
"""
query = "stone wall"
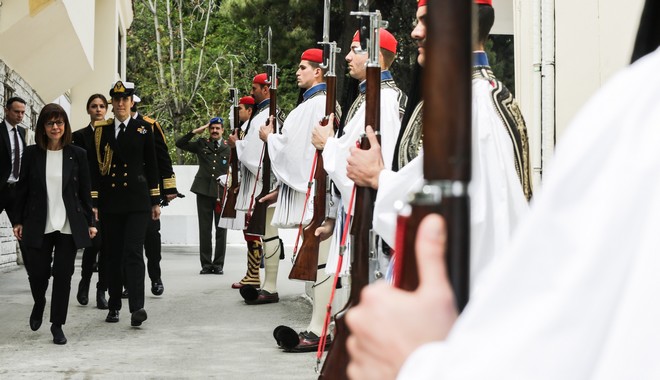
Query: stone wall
(11, 84)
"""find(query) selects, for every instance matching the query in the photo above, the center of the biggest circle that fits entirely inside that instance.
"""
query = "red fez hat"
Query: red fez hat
(312, 55)
(484, 2)
(260, 79)
(246, 100)
(387, 40)
(421, 3)
(263, 79)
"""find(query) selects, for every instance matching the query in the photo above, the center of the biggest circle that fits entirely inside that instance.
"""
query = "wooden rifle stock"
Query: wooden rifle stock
(447, 145)
(257, 222)
(336, 362)
(306, 264)
(231, 193)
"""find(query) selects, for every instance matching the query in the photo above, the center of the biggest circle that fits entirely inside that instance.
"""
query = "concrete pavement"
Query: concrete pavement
(199, 328)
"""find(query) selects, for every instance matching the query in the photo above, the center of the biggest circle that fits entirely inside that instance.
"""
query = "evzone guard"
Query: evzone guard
(336, 149)
(246, 111)
(249, 151)
(292, 156)
(500, 158)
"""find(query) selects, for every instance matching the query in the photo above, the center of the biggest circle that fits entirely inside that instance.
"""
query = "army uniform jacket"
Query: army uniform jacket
(165, 171)
(212, 162)
(124, 173)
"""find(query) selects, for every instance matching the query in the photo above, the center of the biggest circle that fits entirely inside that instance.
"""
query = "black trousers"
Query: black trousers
(208, 219)
(123, 239)
(60, 250)
(152, 249)
(89, 257)
(8, 200)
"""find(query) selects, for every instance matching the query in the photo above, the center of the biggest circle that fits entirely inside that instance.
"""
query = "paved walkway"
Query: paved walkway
(199, 328)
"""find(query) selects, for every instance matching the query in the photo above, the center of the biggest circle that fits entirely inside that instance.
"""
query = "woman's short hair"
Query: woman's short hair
(49, 112)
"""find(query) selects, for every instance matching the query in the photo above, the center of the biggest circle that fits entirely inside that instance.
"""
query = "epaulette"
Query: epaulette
(148, 119)
(102, 123)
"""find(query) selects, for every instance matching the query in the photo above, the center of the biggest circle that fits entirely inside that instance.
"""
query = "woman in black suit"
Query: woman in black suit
(54, 214)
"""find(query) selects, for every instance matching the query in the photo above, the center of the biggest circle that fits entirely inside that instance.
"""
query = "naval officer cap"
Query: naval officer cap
(122, 89)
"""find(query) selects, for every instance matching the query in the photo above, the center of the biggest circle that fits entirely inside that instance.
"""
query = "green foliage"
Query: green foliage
(500, 56)
(196, 77)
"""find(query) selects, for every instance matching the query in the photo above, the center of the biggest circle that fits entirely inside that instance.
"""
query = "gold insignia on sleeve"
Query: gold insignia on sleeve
(169, 183)
(95, 194)
(154, 192)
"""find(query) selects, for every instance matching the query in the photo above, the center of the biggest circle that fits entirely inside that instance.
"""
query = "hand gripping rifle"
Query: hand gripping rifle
(336, 362)
(305, 265)
(231, 192)
(447, 146)
(257, 221)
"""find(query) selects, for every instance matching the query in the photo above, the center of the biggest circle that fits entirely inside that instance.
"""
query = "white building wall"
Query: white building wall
(593, 39)
(99, 80)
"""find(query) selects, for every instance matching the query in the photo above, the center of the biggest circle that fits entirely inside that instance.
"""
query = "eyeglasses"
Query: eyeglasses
(59, 123)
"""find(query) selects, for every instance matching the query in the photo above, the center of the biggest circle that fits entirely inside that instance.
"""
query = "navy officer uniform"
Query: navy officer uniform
(125, 189)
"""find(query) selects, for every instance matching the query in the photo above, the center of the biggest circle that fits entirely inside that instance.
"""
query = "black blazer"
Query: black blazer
(5, 152)
(131, 181)
(165, 171)
(32, 202)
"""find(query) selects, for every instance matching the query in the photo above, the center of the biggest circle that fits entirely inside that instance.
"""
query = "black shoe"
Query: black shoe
(37, 315)
(101, 302)
(58, 334)
(218, 270)
(157, 287)
(206, 271)
(124, 294)
(83, 292)
(137, 317)
(113, 316)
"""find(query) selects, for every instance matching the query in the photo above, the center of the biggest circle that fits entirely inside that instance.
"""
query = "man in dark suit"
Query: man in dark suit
(125, 191)
(168, 192)
(12, 144)
(212, 156)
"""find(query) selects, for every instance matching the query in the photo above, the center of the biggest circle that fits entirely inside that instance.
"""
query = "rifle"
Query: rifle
(447, 146)
(337, 359)
(257, 221)
(231, 192)
(306, 263)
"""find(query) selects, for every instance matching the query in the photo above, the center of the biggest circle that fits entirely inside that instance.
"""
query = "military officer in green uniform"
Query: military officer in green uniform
(212, 156)
(126, 195)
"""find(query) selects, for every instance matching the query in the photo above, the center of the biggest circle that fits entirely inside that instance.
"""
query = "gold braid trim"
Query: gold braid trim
(169, 183)
(104, 164)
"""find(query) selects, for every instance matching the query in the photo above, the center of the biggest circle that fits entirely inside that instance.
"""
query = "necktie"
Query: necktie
(17, 154)
(121, 131)
(215, 144)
